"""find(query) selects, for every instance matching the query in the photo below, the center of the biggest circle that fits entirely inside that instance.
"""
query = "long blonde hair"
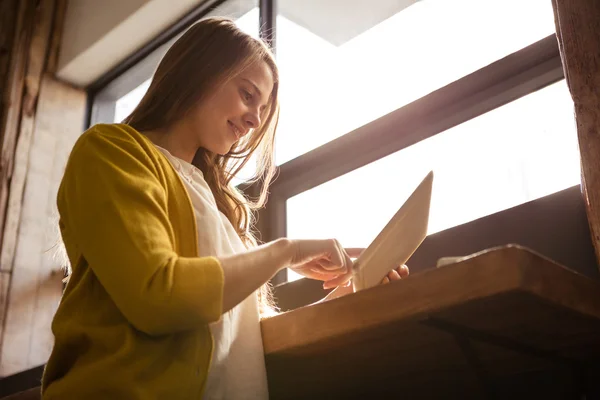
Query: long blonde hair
(206, 56)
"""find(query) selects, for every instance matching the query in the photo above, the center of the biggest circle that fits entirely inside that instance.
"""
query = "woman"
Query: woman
(163, 299)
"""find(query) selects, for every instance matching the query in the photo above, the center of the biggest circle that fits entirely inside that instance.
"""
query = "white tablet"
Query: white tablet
(396, 243)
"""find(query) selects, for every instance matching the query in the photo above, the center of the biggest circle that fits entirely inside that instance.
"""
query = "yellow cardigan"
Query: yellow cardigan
(133, 321)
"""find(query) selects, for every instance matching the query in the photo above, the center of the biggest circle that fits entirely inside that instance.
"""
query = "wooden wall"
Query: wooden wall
(578, 32)
(41, 119)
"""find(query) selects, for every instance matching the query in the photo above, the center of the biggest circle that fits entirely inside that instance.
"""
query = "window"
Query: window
(520, 152)
(344, 66)
(126, 104)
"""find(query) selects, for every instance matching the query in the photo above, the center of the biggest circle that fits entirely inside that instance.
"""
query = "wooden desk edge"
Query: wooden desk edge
(513, 267)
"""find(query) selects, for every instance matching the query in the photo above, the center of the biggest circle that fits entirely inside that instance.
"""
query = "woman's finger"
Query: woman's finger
(385, 280)
(330, 265)
(337, 281)
(337, 261)
(403, 271)
(393, 275)
(322, 273)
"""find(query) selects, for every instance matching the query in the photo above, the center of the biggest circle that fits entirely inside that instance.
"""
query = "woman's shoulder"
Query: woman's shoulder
(115, 133)
(114, 147)
(113, 140)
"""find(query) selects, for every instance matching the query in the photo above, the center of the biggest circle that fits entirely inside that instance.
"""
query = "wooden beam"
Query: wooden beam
(578, 32)
(12, 97)
(4, 284)
(38, 52)
(57, 31)
(8, 13)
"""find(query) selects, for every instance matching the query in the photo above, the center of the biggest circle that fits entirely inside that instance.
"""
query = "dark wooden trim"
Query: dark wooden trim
(186, 21)
(89, 104)
(16, 383)
(8, 12)
(12, 97)
(508, 79)
(577, 25)
(268, 22)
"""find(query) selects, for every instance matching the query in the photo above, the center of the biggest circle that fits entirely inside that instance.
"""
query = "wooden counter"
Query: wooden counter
(478, 328)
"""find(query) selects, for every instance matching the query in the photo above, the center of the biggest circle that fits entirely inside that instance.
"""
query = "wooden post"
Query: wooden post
(8, 18)
(578, 32)
(38, 52)
(12, 81)
(44, 118)
(12, 96)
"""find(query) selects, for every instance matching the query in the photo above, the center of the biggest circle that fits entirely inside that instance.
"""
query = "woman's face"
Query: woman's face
(234, 110)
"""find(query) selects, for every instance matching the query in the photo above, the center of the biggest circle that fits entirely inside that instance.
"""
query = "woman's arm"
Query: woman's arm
(113, 209)
(245, 272)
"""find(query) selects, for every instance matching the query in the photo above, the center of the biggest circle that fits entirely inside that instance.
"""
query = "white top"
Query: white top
(237, 369)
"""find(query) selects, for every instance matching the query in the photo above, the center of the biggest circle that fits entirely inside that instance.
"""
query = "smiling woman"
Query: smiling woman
(168, 284)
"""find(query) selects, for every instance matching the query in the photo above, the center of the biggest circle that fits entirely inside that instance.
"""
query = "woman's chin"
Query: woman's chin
(221, 149)
(225, 150)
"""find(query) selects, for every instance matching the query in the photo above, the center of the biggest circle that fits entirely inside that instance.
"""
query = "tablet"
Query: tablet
(396, 243)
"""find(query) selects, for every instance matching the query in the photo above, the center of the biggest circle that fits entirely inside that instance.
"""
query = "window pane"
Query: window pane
(126, 104)
(520, 152)
(342, 67)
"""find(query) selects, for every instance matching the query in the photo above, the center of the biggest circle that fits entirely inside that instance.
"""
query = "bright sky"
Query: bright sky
(520, 152)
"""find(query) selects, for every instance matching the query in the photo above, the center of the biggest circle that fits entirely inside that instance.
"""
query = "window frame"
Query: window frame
(509, 78)
(501, 82)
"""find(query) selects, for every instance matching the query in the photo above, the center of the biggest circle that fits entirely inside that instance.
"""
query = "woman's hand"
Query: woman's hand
(324, 260)
(394, 275)
(244, 272)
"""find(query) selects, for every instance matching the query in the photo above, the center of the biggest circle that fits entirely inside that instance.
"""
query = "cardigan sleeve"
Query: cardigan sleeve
(112, 202)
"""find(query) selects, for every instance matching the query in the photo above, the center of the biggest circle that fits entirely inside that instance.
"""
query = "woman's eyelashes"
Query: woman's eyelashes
(247, 95)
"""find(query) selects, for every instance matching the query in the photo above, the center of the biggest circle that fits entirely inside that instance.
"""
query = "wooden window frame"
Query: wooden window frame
(510, 78)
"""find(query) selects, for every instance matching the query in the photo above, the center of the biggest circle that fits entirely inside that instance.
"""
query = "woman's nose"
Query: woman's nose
(252, 120)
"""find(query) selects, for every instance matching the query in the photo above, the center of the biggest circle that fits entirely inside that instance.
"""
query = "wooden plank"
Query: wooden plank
(8, 18)
(419, 295)
(364, 341)
(11, 99)
(414, 359)
(57, 31)
(13, 95)
(36, 288)
(484, 275)
(4, 284)
(524, 318)
(36, 62)
(577, 27)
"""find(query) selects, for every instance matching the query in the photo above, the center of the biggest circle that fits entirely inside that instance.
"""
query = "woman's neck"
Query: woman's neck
(175, 141)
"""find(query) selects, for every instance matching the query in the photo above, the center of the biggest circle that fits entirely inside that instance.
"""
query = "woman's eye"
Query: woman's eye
(247, 95)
